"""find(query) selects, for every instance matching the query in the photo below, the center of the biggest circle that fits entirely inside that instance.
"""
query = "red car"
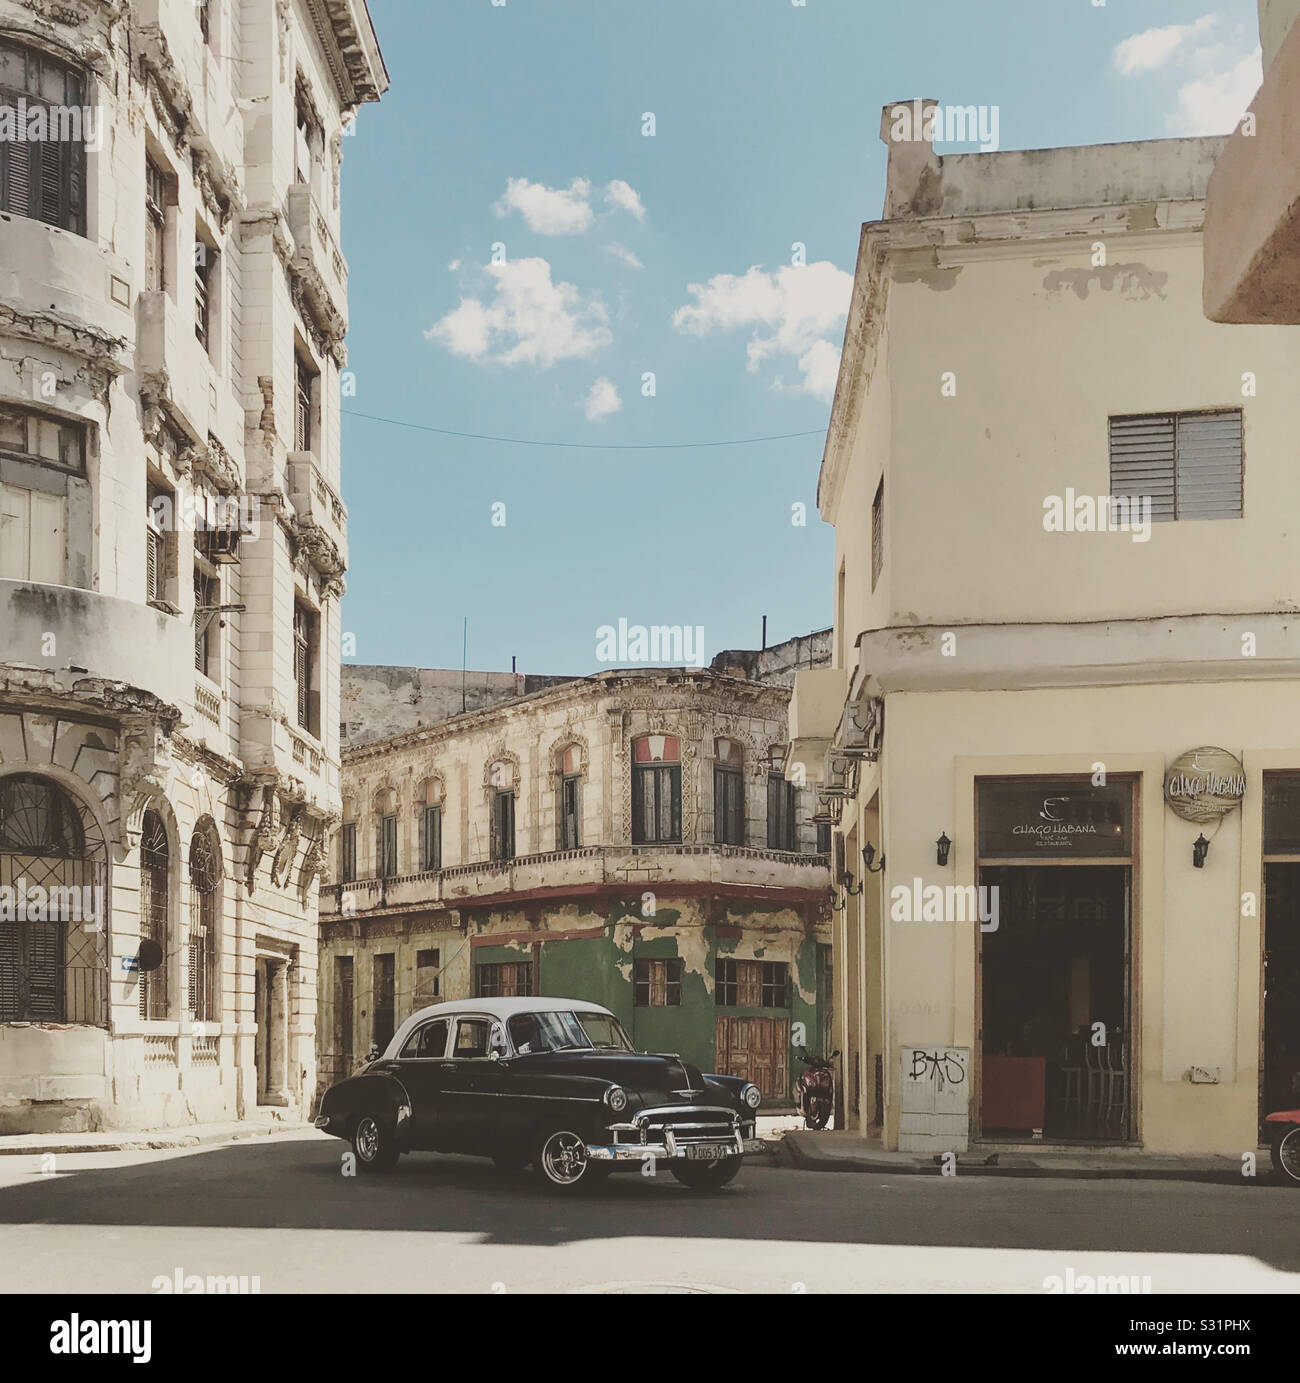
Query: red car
(1286, 1144)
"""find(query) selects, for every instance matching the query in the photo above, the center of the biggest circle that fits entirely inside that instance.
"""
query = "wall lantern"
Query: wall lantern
(942, 846)
(868, 856)
(1200, 848)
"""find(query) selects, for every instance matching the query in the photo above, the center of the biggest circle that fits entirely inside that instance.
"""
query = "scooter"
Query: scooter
(815, 1090)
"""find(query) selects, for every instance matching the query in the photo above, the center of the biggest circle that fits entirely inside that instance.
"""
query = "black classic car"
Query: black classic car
(554, 1083)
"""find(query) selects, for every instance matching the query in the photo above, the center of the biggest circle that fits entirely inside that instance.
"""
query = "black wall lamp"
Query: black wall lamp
(1200, 848)
(941, 848)
(868, 855)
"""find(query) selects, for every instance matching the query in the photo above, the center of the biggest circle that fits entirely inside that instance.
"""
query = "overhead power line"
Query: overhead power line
(585, 446)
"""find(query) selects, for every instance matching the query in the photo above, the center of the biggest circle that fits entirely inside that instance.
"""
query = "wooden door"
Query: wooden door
(756, 1050)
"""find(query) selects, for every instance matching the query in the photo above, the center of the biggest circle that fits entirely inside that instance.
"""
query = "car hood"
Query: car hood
(657, 1079)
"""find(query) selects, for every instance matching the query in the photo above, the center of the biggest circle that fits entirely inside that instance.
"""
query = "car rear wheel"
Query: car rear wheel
(706, 1176)
(1286, 1153)
(562, 1162)
(374, 1144)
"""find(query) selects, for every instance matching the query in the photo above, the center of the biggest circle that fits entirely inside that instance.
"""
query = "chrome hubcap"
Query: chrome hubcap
(367, 1140)
(564, 1158)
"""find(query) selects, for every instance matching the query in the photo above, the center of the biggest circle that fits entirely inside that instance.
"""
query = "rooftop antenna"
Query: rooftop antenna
(464, 658)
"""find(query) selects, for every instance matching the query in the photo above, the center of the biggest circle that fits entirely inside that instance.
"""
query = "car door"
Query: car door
(467, 1084)
(420, 1068)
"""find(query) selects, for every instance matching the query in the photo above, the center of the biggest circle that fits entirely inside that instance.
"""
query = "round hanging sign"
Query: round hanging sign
(1205, 784)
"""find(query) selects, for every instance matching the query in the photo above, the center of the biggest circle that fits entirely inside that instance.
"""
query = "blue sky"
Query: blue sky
(521, 126)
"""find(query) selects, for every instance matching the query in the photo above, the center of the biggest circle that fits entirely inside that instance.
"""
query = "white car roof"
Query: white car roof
(494, 1008)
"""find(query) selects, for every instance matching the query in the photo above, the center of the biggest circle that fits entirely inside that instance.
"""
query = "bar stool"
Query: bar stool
(1072, 1086)
(1096, 1073)
(1116, 1086)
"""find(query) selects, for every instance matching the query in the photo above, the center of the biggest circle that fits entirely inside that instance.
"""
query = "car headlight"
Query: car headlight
(751, 1095)
(616, 1098)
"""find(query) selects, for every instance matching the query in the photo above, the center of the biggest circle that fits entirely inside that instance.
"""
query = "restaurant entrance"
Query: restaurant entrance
(1055, 972)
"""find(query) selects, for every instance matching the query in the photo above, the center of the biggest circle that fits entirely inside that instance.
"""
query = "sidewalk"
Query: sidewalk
(141, 1140)
(848, 1152)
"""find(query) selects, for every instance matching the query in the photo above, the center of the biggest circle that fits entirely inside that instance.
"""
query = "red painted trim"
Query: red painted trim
(535, 938)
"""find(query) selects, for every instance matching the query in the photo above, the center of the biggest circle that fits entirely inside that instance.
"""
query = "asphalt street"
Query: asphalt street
(280, 1210)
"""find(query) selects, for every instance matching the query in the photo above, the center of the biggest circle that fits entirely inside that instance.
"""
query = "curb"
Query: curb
(790, 1153)
(146, 1141)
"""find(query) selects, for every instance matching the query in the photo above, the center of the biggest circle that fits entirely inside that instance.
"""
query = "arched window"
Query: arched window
(385, 809)
(430, 808)
(155, 910)
(570, 832)
(205, 899)
(53, 931)
(728, 793)
(501, 782)
(656, 790)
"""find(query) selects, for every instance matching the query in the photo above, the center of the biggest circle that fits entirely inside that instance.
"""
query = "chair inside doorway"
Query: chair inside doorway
(1055, 1056)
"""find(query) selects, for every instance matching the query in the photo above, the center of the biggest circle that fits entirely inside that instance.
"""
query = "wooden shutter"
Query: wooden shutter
(1209, 465)
(1142, 455)
(44, 966)
(11, 1009)
(15, 533)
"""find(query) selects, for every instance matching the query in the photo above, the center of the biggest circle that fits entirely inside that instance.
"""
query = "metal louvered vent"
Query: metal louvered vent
(1188, 464)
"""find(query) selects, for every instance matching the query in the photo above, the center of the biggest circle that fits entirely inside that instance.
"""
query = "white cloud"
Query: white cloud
(1154, 48)
(1214, 102)
(529, 320)
(564, 210)
(621, 252)
(620, 194)
(601, 400)
(549, 210)
(798, 305)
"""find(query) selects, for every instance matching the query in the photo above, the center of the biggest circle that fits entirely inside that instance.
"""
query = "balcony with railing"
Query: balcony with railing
(317, 260)
(591, 869)
(321, 514)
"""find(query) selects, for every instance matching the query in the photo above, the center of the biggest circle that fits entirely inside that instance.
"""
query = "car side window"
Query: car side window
(472, 1037)
(428, 1040)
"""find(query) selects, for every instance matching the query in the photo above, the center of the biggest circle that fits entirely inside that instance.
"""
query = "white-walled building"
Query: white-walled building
(1022, 667)
(173, 304)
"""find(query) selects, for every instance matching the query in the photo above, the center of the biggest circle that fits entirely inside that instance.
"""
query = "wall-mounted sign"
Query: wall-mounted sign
(1054, 818)
(1205, 784)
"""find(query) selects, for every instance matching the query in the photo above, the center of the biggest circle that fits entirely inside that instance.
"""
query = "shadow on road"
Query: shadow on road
(299, 1184)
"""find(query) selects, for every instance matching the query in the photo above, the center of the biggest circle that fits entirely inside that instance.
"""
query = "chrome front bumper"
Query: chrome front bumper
(647, 1136)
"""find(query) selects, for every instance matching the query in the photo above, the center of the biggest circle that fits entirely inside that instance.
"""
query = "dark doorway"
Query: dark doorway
(1055, 1004)
(1280, 1077)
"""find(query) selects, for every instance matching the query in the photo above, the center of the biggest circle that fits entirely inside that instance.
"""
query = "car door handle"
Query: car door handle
(448, 1065)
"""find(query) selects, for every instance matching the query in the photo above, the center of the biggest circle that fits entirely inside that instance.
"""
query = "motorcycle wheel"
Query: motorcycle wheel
(817, 1114)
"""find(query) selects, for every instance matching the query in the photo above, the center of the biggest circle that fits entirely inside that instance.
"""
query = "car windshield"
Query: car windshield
(560, 1030)
(604, 1030)
(546, 1032)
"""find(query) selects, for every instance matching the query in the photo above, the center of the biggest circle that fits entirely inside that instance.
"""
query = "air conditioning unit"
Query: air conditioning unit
(219, 544)
(862, 728)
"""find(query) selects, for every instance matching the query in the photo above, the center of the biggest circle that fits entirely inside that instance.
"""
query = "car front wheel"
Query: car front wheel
(1286, 1153)
(706, 1176)
(374, 1145)
(562, 1162)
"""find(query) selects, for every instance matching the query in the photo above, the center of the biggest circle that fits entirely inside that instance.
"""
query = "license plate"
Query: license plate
(708, 1152)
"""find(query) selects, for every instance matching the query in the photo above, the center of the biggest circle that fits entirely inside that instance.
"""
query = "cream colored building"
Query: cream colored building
(1252, 229)
(1025, 340)
(173, 304)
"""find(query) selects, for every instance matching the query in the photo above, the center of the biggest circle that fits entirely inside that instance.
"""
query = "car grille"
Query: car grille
(687, 1123)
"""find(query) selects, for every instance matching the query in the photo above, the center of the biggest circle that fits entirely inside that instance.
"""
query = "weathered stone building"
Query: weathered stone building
(172, 546)
(627, 838)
